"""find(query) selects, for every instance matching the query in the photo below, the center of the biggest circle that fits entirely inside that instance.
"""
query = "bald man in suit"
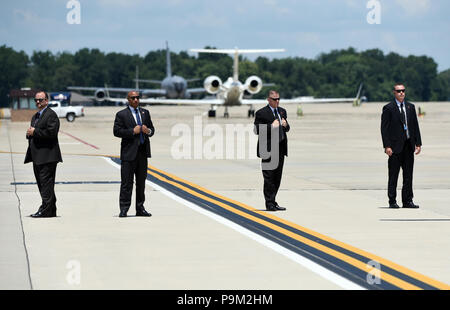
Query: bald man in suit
(134, 126)
(44, 152)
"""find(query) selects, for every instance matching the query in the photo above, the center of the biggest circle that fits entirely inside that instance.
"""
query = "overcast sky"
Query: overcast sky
(304, 28)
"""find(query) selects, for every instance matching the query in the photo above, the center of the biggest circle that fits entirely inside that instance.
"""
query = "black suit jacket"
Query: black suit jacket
(43, 146)
(123, 128)
(265, 117)
(392, 132)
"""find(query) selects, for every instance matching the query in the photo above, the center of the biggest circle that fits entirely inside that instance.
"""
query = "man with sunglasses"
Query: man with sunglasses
(134, 125)
(44, 152)
(401, 139)
(271, 127)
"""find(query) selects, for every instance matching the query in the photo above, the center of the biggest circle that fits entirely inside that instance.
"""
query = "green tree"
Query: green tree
(14, 68)
(337, 73)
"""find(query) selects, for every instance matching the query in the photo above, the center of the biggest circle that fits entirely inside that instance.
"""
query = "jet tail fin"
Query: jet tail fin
(357, 101)
(168, 63)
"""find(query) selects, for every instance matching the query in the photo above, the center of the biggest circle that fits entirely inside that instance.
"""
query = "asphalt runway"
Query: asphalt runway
(209, 229)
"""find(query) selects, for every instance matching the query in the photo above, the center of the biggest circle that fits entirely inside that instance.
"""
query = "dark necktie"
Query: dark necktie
(138, 118)
(403, 117)
(277, 115)
(36, 119)
(282, 134)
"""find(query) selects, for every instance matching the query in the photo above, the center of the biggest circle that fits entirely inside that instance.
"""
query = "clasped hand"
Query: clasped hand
(138, 129)
(30, 131)
(276, 123)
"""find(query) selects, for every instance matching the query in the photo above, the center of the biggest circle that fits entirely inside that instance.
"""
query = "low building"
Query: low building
(22, 104)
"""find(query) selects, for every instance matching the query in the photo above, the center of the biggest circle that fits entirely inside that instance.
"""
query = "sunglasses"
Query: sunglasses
(134, 97)
(275, 99)
(399, 90)
(37, 100)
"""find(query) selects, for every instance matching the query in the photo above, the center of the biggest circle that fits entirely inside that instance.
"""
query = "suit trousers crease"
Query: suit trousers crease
(405, 161)
(129, 170)
(45, 178)
(272, 181)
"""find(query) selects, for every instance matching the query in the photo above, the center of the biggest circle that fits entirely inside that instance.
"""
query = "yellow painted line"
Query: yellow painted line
(371, 256)
(66, 154)
(360, 265)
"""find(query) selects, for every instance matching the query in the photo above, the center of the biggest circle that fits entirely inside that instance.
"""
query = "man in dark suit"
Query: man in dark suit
(271, 127)
(43, 150)
(134, 125)
(401, 139)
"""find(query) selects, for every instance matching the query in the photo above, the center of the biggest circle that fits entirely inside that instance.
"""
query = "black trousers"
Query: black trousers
(272, 180)
(130, 169)
(404, 160)
(45, 179)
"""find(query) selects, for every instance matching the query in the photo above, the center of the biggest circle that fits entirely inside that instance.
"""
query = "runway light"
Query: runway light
(299, 111)
(421, 112)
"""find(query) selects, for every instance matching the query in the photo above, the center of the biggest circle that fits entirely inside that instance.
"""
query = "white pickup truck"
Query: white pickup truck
(69, 112)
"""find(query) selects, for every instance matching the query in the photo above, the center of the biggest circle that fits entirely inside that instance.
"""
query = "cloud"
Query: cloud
(392, 42)
(353, 3)
(26, 16)
(414, 7)
(280, 8)
(32, 21)
(120, 3)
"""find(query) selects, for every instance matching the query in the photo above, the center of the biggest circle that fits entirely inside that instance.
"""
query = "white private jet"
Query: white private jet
(231, 92)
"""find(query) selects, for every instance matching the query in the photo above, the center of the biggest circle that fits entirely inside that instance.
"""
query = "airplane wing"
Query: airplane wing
(255, 101)
(196, 90)
(148, 81)
(155, 92)
(122, 90)
(299, 100)
(173, 101)
(232, 51)
(356, 100)
(318, 100)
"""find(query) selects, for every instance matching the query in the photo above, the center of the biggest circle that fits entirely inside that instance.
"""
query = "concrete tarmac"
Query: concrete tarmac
(334, 182)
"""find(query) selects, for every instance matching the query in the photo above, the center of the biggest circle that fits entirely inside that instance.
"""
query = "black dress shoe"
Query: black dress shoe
(410, 205)
(393, 206)
(278, 208)
(123, 214)
(142, 212)
(275, 208)
(42, 214)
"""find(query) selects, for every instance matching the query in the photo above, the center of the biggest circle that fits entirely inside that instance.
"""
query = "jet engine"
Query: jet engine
(100, 94)
(253, 84)
(212, 84)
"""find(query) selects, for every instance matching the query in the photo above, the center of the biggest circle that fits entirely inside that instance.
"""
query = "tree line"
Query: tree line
(334, 74)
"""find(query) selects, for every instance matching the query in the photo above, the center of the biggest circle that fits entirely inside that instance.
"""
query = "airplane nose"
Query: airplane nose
(178, 87)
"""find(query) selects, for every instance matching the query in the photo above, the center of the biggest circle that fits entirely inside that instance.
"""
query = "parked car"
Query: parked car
(69, 112)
